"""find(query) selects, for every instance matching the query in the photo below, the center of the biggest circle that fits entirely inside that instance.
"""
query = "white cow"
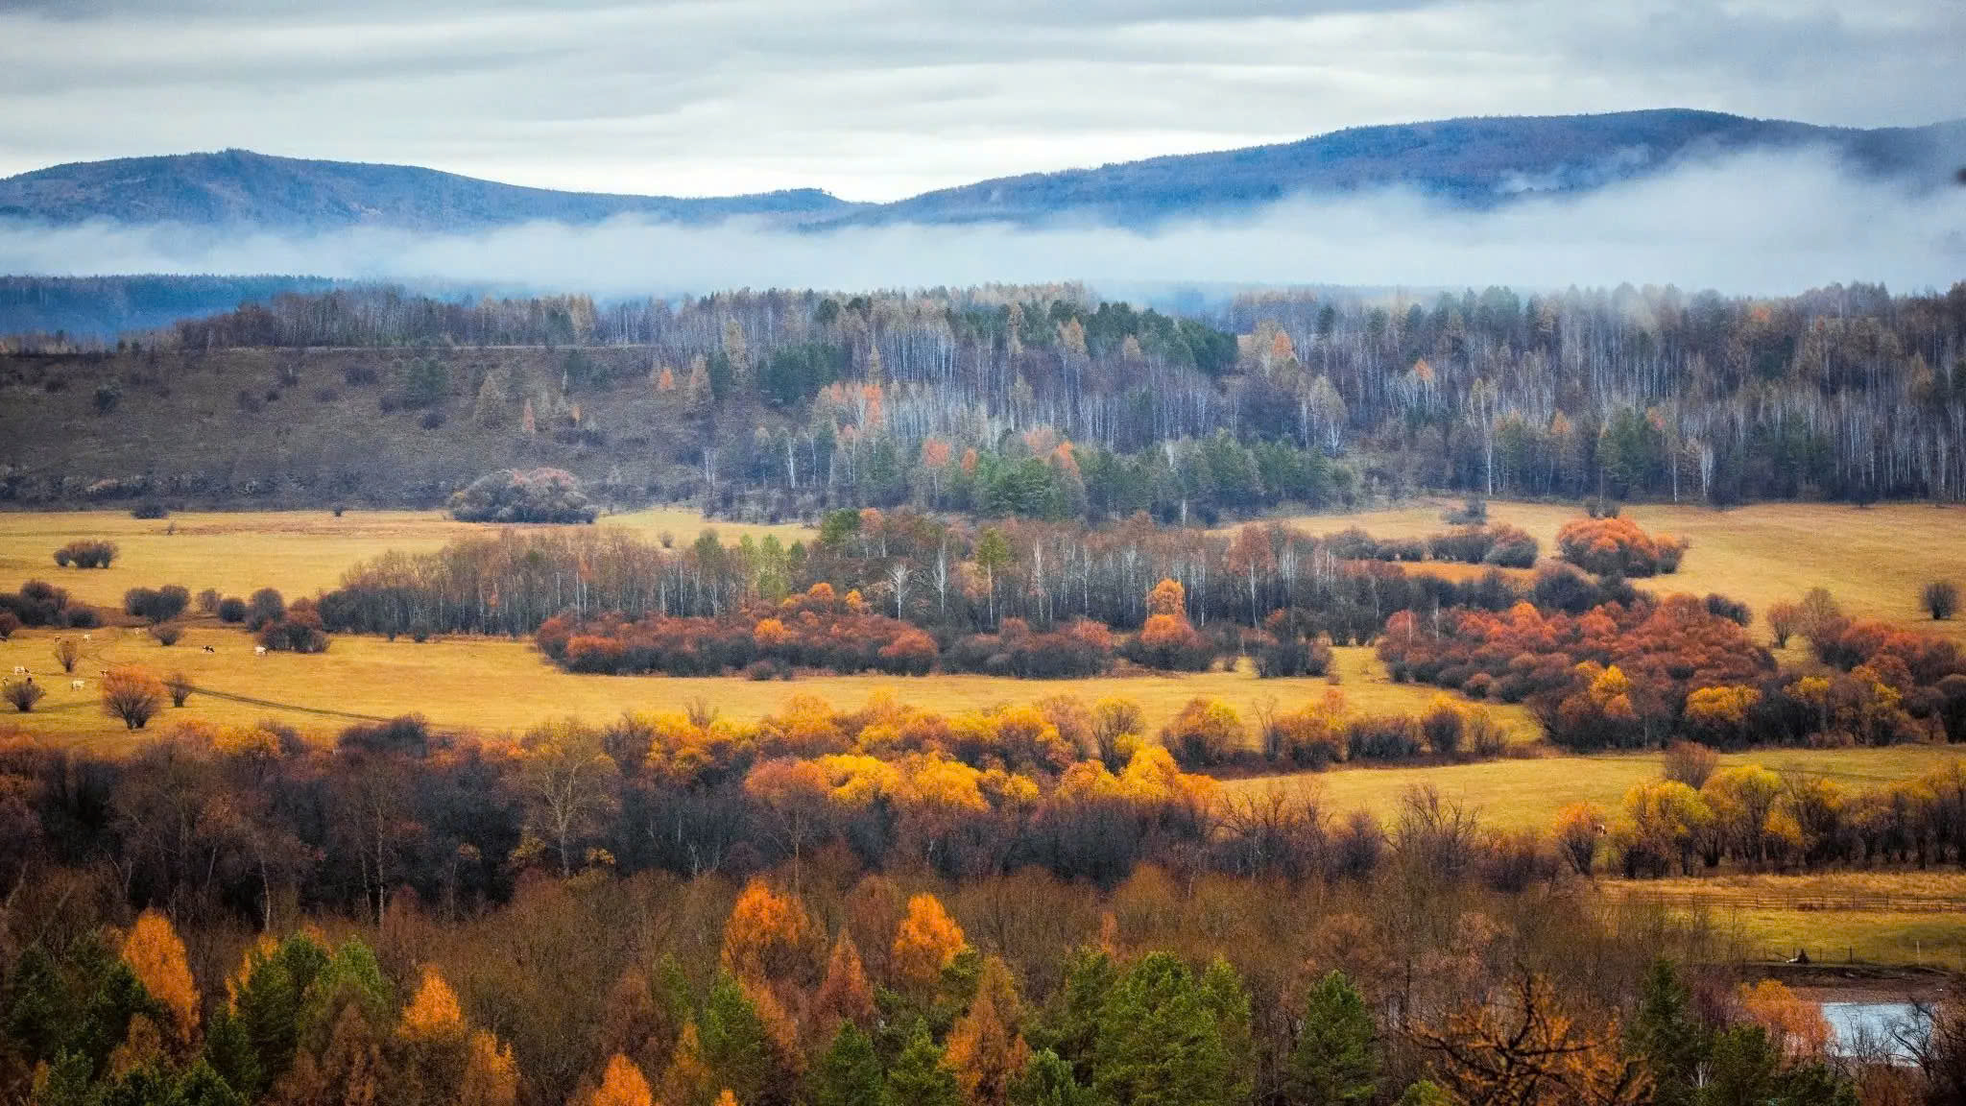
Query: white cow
(88, 637)
(259, 650)
(76, 685)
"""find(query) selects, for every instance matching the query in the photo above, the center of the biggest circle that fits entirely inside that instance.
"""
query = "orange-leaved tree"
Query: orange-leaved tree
(927, 940)
(156, 956)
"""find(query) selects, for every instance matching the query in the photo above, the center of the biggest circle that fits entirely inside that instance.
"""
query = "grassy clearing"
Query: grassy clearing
(1877, 917)
(1528, 793)
(497, 685)
(1873, 559)
(299, 552)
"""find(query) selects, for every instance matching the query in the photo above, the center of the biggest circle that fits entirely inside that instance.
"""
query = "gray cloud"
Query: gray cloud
(1759, 224)
(874, 99)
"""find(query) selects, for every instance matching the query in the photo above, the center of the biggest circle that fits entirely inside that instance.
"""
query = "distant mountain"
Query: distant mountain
(1469, 162)
(239, 188)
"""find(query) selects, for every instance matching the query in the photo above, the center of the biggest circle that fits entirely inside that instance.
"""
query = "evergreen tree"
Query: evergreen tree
(1333, 1062)
(40, 1016)
(1667, 1035)
(66, 1081)
(918, 1076)
(1070, 1025)
(736, 1045)
(1047, 1080)
(202, 1086)
(850, 1073)
(1228, 1000)
(1159, 1042)
(230, 1054)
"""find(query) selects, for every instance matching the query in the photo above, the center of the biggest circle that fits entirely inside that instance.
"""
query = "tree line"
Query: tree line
(805, 397)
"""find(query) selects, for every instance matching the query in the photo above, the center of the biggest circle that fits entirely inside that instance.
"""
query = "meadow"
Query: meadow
(496, 685)
(299, 552)
(1526, 793)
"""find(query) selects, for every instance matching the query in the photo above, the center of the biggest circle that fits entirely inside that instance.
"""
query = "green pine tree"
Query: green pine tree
(1667, 1035)
(40, 1016)
(850, 1072)
(1334, 1062)
(736, 1045)
(230, 1054)
(918, 1076)
(1069, 1025)
(67, 1082)
(1048, 1081)
(1228, 1000)
(1159, 1043)
(202, 1086)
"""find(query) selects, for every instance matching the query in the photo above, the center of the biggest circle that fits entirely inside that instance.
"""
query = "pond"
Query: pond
(1890, 1028)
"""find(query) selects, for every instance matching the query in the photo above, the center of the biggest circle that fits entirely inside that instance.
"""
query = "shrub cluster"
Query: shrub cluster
(86, 553)
(510, 495)
(1500, 545)
(39, 603)
(298, 629)
(1082, 648)
(156, 604)
(1617, 547)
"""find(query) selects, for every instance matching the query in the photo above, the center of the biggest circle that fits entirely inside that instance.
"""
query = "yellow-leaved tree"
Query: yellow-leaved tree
(156, 955)
(433, 1014)
(622, 1085)
(491, 1076)
(925, 942)
(986, 1051)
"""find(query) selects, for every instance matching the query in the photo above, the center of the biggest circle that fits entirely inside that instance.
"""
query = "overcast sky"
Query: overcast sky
(877, 99)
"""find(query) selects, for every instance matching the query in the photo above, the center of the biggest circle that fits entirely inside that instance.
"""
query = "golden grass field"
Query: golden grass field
(1526, 793)
(1873, 559)
(1874, 917)
(298, 552)
(497, 685)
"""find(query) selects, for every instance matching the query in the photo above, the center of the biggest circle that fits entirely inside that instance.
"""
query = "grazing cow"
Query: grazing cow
(88, 637)
(209, 649)
(76, 685)
(20, 670)
(259, 650)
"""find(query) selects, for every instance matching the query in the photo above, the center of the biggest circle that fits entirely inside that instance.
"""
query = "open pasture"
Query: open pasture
(1896, 917)
(498, 685)
(298, 552)
(1527, 793)
(1873, 559)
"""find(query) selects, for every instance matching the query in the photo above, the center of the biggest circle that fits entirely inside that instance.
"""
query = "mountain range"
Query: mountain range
(1475, 163)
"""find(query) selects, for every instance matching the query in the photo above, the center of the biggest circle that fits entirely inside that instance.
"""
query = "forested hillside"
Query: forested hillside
(1030, 401)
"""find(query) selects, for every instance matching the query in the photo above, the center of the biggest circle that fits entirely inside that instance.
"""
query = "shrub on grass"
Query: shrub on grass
(132, 695)
(23, 694)
(86, 553)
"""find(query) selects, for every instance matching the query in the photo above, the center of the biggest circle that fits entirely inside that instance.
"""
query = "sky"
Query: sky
(880, 99)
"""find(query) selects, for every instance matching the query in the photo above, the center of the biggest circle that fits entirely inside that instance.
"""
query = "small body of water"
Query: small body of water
(1875, 1027)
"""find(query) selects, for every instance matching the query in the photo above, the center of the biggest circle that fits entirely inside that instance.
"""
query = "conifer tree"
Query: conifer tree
(849, 1074)
(1333, 1062)
(1159, 1043)
(918, 1077)
(1047, 1080)
(737, 1045)
(1668, 1036)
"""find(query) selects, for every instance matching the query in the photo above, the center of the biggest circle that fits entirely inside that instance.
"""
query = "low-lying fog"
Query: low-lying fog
(1758, 224)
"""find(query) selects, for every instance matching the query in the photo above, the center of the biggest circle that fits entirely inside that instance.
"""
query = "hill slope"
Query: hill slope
(239, 188)
(1470, 162)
